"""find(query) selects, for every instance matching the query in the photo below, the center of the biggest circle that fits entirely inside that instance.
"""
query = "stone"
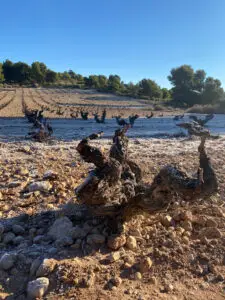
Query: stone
(168, 287)
(211, 223)
(137, 276)
(34, 266)
(77, 244)
(62, 227)
(131, 243)
(180, 230)
(79, 233)
(116, 281)
(166, 221)
(186, 216)
(7, 261)
(201, 220)
(220, 277)
(18, 229)
(96, 239)
(153, 280)
(52, 250)
(51, 175)
(116, 242)
(46, 267)
(38, 239)
(8, 237)
(18, 240)
(37, 288)
(41, 186)
(145, 265)
(64, 241)
(2, 228)
(185, 240)
(187, 225)
(129, 259)
(211, 233)
(14, 184)
(114, 256)
(1, 196)
(25, 149)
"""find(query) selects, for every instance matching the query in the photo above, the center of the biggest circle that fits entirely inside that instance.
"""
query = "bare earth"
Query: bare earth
(174, 254)
(68, 101)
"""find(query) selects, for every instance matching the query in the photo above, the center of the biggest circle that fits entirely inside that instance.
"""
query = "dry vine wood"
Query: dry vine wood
(115, 183)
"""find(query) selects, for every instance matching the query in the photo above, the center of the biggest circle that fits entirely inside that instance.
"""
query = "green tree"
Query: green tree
(166, 94)
(102, 82)
(7, 67)
(79, 78)
(65, 76)
(51, 76)
(114, 83)
(213, 92)
(21, 72)
(199, 80)
(150, 88)
(182, 76)
(93, 81)
(38, 72)
(72, 74)
(132, 89)
(1, 74)
(183, 80)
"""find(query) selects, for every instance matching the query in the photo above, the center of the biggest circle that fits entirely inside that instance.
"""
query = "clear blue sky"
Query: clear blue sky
(132, 38)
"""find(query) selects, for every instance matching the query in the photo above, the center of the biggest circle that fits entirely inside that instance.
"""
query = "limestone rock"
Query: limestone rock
(64, 241)
(137, 276)
(145, 264)
(166, 221)
(96, 239)
(116, 281)
(7, 261)
(14, 184)
(131, 243)
(114, 256)
(62, 227)
(8, 237)
(18, 240)
(18, 229)
(187, 225)
(34, 266)
(78, 232)
(51, 175)
(46, 267)
(37, 288)
(116, 242)
(211, 233)
(41, 186)
(1, 229)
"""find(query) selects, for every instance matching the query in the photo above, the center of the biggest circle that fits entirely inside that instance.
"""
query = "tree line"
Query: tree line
(189, 87)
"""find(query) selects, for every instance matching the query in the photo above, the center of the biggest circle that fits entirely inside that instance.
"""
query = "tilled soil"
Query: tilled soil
(64, 103)
(178, 253)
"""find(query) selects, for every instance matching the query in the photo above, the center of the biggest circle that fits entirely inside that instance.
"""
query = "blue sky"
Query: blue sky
(132, 38)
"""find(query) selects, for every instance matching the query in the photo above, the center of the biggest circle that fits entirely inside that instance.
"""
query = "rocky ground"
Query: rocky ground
(51, 247)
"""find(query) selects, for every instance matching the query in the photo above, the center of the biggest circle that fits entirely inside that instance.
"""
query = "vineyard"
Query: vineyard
(64, 103)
